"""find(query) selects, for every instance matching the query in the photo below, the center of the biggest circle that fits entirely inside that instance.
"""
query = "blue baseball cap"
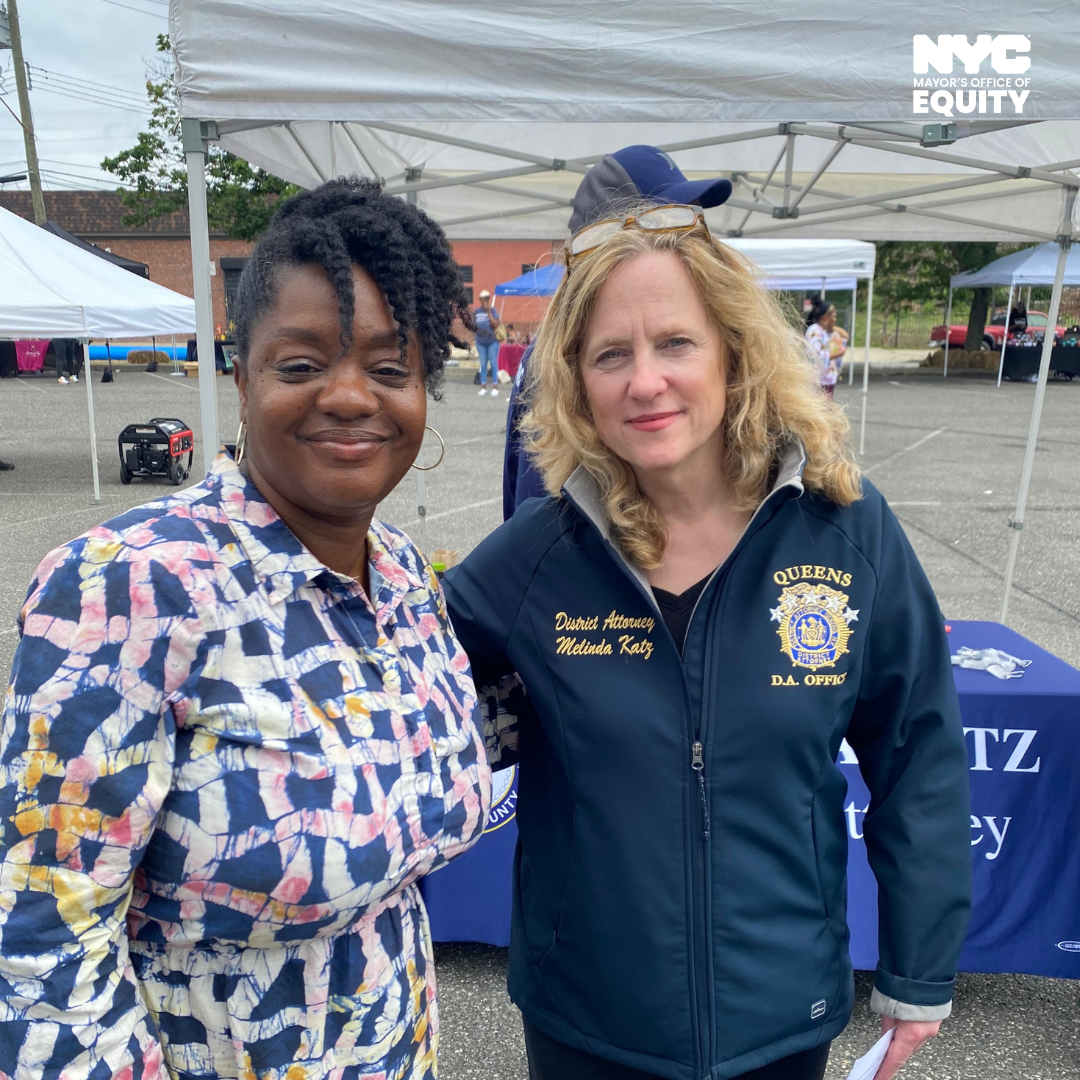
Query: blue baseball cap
(635, 173)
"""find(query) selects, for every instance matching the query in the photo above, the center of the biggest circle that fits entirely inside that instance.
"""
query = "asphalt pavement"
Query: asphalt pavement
(946, 453)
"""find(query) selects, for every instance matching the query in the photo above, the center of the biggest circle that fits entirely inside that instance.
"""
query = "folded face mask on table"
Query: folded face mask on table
(1000, 664)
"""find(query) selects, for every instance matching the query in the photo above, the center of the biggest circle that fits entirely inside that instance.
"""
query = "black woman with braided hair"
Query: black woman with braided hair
(240, 727)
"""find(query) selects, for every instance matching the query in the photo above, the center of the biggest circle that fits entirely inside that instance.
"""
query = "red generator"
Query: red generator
(156, 448)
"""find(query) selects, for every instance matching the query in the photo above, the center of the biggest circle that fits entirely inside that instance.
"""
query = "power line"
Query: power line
(141, 11)
(75, 180)
(90, 99)
(71, 164)
(79, 82)
(113, 95)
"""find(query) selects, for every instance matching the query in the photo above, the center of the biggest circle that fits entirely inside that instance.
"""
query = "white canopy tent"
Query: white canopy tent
(487, 113)
(51, 288)
(1032, 266)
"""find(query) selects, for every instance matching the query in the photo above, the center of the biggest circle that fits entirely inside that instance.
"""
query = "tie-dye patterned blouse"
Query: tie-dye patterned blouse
(222, 772)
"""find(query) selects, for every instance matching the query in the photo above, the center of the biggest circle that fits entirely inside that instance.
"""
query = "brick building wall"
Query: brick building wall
(495, 261)
(164, 245)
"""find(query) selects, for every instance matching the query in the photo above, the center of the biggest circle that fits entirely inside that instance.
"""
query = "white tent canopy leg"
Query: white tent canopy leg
(866, 363)
(1036, 413)
(1005, 335)
(195, 154)
(948, 334)
(88, 378)
(851, 333)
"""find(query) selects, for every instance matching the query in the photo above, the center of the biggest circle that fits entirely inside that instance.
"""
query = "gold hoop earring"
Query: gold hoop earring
(442, 452)
(241, 443)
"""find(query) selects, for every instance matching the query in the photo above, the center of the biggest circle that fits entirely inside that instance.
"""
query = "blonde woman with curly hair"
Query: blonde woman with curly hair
(709, 601)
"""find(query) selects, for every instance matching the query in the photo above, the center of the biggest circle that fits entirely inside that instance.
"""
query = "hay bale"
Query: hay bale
(962, 360)
(148, 356)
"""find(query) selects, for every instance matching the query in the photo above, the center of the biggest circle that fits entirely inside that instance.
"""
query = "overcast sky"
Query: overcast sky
(88, 58)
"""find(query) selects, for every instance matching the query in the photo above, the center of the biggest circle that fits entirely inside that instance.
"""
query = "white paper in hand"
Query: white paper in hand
(870, 1062)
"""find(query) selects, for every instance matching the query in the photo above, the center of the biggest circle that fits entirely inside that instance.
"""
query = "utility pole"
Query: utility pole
(24, 110)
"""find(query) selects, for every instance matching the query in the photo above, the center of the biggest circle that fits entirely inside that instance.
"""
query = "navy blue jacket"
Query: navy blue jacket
(521, 481)
(680, 881)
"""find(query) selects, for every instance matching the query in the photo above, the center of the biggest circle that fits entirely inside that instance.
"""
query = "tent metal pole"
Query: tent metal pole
(89, 377)
(957, 159)
(580, 165)
(757, 192)
(1017, 523)
(465, 180)
(1005, 336)
(915, 208)
(902, 193)
(851, 334)
(866, 363)
(808, 186)
(789, 166)
(948, 327)
(195, 154)
(447, 223)
(320, 173)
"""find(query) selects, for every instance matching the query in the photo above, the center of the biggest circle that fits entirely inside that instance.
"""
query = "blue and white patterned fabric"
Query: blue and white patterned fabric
(222, 772)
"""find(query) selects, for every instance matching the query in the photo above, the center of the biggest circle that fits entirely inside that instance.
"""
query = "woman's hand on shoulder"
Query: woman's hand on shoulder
(910, 1036)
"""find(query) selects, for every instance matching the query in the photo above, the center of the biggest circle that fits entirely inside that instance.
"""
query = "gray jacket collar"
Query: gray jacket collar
(584, 492)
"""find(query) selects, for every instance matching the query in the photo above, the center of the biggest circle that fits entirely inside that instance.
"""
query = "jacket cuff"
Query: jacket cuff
(913, 991)
(901, 1010)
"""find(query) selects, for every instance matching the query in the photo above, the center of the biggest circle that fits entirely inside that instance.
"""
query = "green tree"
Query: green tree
(970, 256)
(915, 273)
(907, 274)
(240, 197)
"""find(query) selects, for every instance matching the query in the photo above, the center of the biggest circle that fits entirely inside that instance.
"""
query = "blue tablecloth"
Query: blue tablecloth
(1023, 740)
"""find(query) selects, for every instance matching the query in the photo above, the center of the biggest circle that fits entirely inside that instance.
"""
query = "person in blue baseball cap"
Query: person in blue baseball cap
(628, 177)
(637, 174)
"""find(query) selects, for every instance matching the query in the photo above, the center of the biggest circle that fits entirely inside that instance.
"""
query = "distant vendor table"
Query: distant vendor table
(1023, 360)
(1023, 739)
(510, 354)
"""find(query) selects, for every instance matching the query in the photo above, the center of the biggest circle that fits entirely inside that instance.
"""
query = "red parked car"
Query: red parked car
(992, 332)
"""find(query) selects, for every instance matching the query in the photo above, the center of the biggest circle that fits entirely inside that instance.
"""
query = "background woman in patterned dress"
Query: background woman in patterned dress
(239, 726)
(824, 344)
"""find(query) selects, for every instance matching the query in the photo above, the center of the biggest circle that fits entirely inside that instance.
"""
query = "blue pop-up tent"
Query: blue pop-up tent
(543, 281)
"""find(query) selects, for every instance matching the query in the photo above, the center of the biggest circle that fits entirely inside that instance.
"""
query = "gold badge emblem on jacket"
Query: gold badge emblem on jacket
(815, 624)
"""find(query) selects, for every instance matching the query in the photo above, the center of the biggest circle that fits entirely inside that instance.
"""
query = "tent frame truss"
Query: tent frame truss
(912, 140)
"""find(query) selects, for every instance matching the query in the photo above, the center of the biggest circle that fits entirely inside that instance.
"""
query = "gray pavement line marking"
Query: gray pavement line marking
(973, 431)
(900, 453)
(31, 386)
(479, 438)
(996, 574)
(170, 380)
(63, 513)
(461, 509)
(1008, 508)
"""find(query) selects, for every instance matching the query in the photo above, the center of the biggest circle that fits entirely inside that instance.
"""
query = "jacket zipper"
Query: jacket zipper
(704, 1033)
(702, 905)
(697, 872)
(697, 763)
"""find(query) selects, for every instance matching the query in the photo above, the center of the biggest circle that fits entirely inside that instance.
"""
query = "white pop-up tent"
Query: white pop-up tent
(50, 288)
(1032, 266)
(487, 113)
